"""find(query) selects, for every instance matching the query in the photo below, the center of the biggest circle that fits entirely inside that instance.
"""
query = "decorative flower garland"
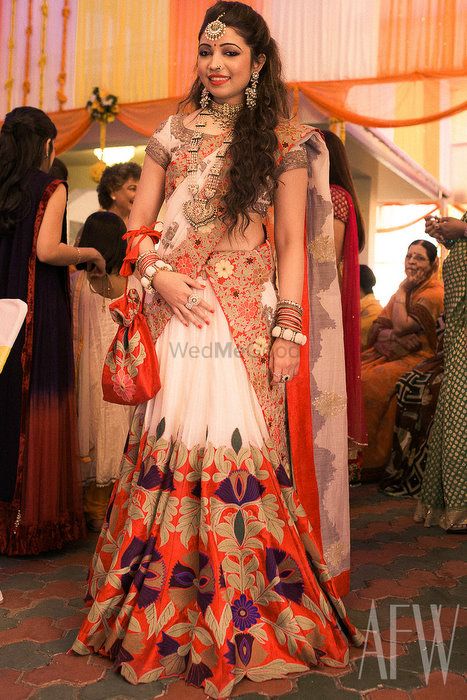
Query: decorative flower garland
(104, 111)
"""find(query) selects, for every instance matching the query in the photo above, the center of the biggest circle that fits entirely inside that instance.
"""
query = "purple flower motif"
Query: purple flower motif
(194, 575)
(149, 578)
(281, 564)
(197, 673)
(147, 570)
(149, 475)
(168, 646)
(244, 613)
(239, 488)
(244, 644)
(182, 576)
(132, 557)
(196, 490)
(119, 653)
(230, 654)
(282, 476)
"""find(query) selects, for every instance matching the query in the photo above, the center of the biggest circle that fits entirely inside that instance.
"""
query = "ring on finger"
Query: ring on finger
(285, 378)
(193, 300)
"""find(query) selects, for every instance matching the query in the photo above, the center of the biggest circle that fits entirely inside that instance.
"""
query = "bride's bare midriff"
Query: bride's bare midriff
(251, 238)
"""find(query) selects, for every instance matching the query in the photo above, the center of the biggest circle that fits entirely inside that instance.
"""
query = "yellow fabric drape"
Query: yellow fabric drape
(122, 47)
(11, 54)
(27, 56)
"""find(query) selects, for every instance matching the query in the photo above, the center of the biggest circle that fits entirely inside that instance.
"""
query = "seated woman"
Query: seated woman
(402, 336)
(417, 395)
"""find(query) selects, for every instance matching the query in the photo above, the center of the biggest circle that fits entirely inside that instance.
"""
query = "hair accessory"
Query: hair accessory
(251, 92)
(214, 30)
(205, 98)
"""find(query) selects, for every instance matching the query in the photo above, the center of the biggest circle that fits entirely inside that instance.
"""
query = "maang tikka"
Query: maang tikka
(251, 92)
(214, 30)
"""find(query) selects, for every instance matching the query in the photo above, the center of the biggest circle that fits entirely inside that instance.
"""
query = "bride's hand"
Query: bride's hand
(284, 360)
(177, 289)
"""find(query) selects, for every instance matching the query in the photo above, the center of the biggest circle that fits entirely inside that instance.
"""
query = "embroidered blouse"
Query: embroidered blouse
(168, 147)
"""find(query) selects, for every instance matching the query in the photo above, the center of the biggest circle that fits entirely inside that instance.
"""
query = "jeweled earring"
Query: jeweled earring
(251, 92)
(205, 98)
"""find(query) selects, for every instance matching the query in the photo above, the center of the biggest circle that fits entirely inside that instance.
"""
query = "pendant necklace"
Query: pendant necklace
(200, 211)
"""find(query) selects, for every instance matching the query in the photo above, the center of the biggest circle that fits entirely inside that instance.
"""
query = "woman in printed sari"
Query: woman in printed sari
(417, 395)
(402, 336)
(443, 495)
(207, 567)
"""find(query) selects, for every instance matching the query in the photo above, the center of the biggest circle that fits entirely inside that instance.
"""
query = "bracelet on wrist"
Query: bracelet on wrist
(289, 334)
(152, 270)
(78, 257)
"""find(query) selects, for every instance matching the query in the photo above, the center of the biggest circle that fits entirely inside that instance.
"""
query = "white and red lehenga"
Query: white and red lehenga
(207, 567)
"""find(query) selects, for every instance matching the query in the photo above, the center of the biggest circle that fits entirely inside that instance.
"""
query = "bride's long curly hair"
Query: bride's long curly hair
(254, 146)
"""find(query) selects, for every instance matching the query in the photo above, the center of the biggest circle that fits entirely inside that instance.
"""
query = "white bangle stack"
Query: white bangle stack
(289, 334)
(151, 271)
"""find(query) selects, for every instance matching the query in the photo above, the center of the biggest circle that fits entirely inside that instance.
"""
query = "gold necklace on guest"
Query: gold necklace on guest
(105, 292)
(200, 211)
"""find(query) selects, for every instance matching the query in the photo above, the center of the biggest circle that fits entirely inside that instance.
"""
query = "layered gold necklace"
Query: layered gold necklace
(200, 211)
(225, 114)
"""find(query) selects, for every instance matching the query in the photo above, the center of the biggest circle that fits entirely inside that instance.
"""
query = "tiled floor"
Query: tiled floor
(395, 561)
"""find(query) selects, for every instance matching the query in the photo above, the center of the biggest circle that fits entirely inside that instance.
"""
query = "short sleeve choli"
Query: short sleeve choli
(159, 145)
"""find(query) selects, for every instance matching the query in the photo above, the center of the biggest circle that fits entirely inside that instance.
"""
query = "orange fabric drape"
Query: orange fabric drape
(332, 97)
(417, 36)
(143, 117)
(71, 125)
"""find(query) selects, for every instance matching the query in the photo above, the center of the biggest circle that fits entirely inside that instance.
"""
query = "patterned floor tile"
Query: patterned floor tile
(454, 688)
(56, 692)
(65, 668)
(35, 629)
(22, 655)
(394, 562)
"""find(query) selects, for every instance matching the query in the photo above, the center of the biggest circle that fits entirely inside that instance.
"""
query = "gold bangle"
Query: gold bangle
(78, 259)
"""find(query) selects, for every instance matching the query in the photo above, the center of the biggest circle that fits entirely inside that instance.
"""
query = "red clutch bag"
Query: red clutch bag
(131, 370)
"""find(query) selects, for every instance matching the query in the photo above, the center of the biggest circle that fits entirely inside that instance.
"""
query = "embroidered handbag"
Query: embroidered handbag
(131, 370)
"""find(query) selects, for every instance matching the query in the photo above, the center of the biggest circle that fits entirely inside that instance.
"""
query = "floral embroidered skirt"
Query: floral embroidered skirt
(206, 567)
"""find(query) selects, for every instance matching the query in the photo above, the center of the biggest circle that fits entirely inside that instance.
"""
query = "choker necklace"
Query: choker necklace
(224, 113)
(200, 211)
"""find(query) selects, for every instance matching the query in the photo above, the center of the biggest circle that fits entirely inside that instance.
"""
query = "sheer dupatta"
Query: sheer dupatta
(317, 397)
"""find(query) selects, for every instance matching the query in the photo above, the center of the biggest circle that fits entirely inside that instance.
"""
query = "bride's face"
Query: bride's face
(225, 66)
